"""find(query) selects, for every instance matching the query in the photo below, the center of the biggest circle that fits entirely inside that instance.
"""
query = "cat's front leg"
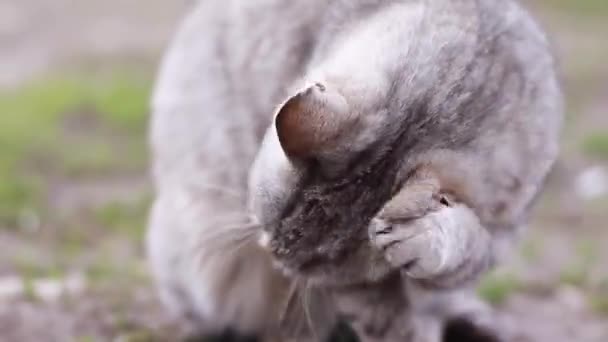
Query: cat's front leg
(444, 248)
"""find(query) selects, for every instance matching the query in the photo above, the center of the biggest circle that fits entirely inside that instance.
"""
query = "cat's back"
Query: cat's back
(225, 70)
(232, 62)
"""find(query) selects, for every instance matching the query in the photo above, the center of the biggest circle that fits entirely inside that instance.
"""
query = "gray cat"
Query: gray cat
(384, 153)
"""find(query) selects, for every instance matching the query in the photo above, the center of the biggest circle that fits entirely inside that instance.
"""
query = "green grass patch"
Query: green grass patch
(126, 218)
(85, 338)
(582, 8)
(596, 145)
(531, 249)
(98, 157)
(587, 251)
(75, 238)
(119, 99)
(496, 288)
(102, 270)
(105, 271)
(28, 291)
(123, 101)
(18, 193)
(599, 303)
(578, 272)
(575, 275)
(36, 145)
(32, 268)
(137, 334)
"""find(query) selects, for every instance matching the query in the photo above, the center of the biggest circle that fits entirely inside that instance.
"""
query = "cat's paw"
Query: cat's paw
(423, 247)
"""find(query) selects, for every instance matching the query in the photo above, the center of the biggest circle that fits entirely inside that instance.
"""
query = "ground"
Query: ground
(74, 86)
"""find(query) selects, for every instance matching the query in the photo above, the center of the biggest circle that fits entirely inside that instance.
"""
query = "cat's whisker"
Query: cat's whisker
(235, 229)
(226, 218)
(241, 244)
(372, 268)
(229, 238)
(286, 322)
(241, 227)
(306, 305)
(221, 248)
(237, 236)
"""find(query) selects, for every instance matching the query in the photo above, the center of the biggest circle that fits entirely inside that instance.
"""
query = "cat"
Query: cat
(372, 150)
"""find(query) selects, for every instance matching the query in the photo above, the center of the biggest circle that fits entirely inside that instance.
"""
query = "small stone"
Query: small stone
(48, 290)
(571, 298)
(11, 287)
(75, 283)
(592, 183)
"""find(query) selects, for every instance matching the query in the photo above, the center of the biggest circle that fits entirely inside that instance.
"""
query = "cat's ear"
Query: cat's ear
(312, 121)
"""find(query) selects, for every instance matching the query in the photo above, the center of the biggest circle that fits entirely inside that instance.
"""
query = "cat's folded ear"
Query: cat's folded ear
(313, 121)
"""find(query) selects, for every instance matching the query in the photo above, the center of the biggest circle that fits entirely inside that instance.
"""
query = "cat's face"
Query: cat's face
(324, 172)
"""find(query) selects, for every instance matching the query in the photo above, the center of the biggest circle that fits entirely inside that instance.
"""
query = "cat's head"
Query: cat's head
(327, 166)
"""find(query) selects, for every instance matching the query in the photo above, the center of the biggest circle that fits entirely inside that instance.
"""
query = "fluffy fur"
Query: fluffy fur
(377, 147)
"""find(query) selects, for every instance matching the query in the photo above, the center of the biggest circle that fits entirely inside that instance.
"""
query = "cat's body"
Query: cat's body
(410, 140)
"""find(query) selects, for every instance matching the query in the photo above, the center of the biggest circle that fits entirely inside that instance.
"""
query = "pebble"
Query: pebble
(45, 289)
(51, 290)
(592, 183)
(571, 298)
(11, 287)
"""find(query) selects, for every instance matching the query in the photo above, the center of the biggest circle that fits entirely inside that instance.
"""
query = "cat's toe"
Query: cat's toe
(385, 235)
(402, 244)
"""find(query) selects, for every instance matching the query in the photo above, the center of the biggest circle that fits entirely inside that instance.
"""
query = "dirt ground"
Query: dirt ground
(75, 198)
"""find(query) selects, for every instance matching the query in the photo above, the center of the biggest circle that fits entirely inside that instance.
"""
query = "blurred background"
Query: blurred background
(75, 78)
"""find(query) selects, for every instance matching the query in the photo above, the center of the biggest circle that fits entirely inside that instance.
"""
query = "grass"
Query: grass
(531, 249)
(599, 303)
(85, 338)
(139, 335)
(112, 272)
(578, 272)
(71, 129)
(584, 8)
(31, 268)
(16, 194)
(37, 145)
(596, 145)
(496, 287)
(575, 275)
(124, 218)
(102, 271)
